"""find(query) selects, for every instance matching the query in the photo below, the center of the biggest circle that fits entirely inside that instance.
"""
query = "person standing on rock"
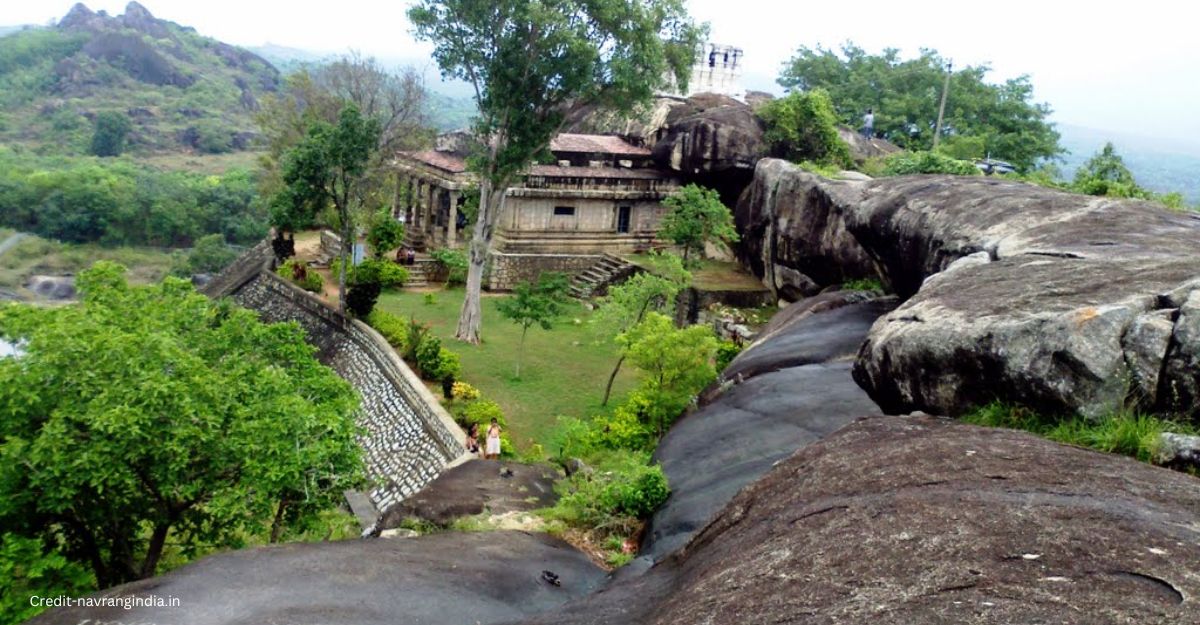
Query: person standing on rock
(868, 129)
(493, 441)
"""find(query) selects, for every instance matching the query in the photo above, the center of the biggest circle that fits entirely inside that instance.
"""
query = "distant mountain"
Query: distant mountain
(1161, 165)
(181, 91)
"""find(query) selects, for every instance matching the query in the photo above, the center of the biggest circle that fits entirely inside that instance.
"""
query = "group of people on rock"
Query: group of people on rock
(491, 450)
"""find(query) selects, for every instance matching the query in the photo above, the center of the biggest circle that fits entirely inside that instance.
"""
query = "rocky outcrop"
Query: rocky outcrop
(432, 580)
(922, 520)
(1066, 303)
(862, 148)
(475, 487)
(788, 389)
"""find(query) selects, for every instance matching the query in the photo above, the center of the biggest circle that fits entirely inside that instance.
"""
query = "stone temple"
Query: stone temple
(601, 195)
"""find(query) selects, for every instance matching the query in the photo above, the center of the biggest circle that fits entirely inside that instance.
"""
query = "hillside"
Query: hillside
(181, 91)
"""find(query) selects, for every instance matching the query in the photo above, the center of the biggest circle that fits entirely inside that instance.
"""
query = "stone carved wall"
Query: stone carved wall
(407, 438)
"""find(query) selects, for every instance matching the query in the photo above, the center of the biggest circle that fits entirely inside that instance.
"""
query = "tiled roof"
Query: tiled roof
(596, 144)
(442, 160)
(555, 171)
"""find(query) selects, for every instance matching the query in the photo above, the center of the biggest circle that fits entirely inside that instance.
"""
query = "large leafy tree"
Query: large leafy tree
(148, 415)
(982, 118)
(530, 64)
(535, 303)
(803, 127)
(329, 168)
(112, 127)
(697, 217)
(676, 364)
(627, 303)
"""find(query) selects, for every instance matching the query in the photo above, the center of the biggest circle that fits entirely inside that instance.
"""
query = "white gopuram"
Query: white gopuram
(718, 69)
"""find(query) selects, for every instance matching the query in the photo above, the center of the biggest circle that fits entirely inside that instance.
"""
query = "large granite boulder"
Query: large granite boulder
(922, 520)
(644, 127)
(476, 487)
(1064, 302)
(788, 389)
(441, 578)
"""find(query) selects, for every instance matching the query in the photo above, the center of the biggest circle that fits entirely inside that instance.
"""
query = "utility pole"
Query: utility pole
(937, 130)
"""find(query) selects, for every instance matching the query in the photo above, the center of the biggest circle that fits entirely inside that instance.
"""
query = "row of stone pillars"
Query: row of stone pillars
(419, 201)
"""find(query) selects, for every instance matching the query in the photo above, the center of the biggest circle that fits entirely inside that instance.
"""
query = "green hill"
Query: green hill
(182, 92)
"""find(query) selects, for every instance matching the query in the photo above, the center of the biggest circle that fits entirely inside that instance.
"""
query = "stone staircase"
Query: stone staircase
(595, 279)
(421, 273)
(414, 239)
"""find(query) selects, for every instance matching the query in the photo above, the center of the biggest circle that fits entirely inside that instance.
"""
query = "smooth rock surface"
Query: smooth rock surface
(788, 389)
(438, 579)
(901, 520)
(1014, 292)
(477, 486)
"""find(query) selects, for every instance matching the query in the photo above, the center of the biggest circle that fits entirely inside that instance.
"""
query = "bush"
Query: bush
(803, 127)
(384, 234)
(387, 273)
(464, 392)
(906, 163)
(453, 263)
(109, 136)
(622, 489)
(299, 274)
(361, 297)
(27, 569)
(726, 352)
(211, 254)
(392, 327)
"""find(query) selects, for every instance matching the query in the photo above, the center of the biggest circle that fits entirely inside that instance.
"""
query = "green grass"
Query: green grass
(563, 372)
(36, 256)
(707, 274)
(1124, 433)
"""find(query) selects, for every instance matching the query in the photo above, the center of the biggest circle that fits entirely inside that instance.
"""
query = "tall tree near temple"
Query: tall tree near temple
(530, 64)
(328, 168)
(982, 118)
(151, 416)
(697, 217)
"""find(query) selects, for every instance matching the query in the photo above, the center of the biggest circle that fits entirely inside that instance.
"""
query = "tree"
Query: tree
(151, 413)
(328, 167)
(27, 569)
(384, 233)
(803, 127)
(535, 304)
(676, 365)
(628, 303)
(109, 136)
(904, 94)
(210, 254)
(697, 217)
(1105, 173)
(530, 64)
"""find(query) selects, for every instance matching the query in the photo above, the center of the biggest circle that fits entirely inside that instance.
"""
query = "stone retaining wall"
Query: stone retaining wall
(407, 437)
(505, 271)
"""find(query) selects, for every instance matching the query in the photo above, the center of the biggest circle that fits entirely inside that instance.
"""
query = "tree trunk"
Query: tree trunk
(154, 550)
(491, 204)
(521, 350)
(277, 524)
(346, 246)
(612, 378)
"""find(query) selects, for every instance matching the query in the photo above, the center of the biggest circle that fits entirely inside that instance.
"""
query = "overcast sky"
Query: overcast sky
(1127, 67)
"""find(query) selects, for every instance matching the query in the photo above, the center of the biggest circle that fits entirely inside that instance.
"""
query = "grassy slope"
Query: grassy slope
(34, 256)
(563, 372)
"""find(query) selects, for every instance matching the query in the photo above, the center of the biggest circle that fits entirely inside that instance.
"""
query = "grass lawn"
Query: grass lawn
(563, 372)
(707, 274)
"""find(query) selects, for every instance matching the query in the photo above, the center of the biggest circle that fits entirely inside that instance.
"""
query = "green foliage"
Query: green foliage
(863, 284)
(385, 233)
(388, 273)
(108, 139)
(676, 364)
(453, 263)
(535, 304)
(1105, 174)
(907, 163)
(697, 217)
(28, 570)
(726, 352)
(392, 327)
(210, 254)
(115, 202)
(905, 93)
(148, 415)
(622, 489)
(1122, 433)
(299, 274)
(362, 295)
(435, 362)
(803, 127)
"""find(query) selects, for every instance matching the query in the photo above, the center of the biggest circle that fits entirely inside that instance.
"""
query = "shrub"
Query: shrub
(906, 163)
(453, 263)
(414, 336)
(111, 130)
(211, 254)
(300, 275)
(385, 233)
(388, 274)
(364, 289)
(803, 127)
(622, 489)
(392, 327)
(27, 569)
(464, 392)
(863, 284)
(726, 352)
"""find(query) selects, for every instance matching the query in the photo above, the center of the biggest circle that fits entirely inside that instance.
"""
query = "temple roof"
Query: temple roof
(596, 144)
(442, 160)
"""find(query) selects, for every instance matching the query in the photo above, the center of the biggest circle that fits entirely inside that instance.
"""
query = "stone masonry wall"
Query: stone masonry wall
(407, 438)
(507, 270)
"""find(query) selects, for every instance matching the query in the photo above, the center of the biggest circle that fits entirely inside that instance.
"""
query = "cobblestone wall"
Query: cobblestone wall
(507, 270)
(407, 438)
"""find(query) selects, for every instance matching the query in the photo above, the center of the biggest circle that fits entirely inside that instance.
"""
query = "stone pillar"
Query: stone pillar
(396, 196)
(427, 219)
(452, 227)
(418, 203)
